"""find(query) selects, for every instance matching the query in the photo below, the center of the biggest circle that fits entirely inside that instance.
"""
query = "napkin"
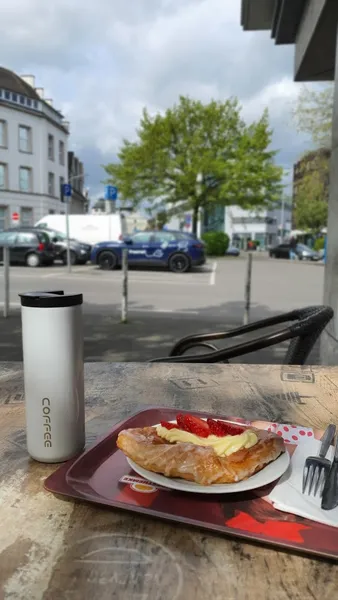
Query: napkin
(287, 494)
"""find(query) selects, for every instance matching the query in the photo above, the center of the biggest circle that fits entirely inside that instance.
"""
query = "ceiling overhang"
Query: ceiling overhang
(309, 24)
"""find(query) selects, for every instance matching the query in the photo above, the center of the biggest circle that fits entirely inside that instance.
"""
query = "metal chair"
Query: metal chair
(306, 326)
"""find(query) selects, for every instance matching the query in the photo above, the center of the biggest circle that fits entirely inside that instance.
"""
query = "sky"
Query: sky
(102, 62)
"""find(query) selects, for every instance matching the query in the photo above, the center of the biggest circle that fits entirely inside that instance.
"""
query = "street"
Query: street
(163, 306)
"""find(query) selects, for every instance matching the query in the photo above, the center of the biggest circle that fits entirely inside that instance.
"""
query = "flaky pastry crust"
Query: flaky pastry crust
(197, 463)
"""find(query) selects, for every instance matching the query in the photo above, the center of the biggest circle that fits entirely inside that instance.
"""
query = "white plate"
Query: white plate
(270, 473)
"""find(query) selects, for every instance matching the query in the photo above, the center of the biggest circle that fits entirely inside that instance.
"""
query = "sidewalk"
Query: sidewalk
(147, 335)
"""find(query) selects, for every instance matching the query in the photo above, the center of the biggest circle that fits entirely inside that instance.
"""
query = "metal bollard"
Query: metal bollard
(247, 290)
(124, 307)
(6, 281)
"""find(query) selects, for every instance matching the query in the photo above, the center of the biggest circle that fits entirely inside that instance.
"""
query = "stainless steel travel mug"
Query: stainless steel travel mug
(52, 338)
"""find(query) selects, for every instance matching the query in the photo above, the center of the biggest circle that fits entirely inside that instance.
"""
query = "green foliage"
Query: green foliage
(196, 155)
(311, 202)
(216, 243)
(319, 244)
(313, 114)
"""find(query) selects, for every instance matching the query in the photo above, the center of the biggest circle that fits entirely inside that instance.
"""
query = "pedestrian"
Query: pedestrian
(293, 246)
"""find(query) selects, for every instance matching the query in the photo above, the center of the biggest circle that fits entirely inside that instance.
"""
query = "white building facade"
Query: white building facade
(33, 152)
(267, 227)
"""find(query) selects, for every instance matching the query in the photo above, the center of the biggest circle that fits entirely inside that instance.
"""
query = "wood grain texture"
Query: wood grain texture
(54, 549)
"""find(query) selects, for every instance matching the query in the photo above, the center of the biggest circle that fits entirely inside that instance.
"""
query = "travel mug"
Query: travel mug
(52, 339)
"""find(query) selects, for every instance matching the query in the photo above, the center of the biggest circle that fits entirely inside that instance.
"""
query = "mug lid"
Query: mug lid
(55, 299)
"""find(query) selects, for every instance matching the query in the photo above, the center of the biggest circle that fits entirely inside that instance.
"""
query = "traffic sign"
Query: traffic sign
(15, 217)
(110, 192)
(67, 190)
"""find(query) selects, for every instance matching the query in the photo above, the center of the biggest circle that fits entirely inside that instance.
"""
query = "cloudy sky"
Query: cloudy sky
(102, 62)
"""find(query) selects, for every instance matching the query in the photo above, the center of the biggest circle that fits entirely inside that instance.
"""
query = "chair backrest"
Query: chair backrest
(306, 326)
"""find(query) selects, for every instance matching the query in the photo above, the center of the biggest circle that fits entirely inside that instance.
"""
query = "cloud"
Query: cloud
(103, 62)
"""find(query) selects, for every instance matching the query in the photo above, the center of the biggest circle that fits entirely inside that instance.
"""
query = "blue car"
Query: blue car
(174, 250)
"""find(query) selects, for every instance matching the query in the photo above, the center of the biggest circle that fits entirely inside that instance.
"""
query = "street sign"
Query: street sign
(67, 190)
(110, 192)
(15, 217)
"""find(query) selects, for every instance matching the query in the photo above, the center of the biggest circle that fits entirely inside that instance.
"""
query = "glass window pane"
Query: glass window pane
(25, 140)
(26, 217)
(25, 179)
(141, 238)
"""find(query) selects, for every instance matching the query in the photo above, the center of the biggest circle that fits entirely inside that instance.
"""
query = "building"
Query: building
(79, 202)
(34, 162)
(266, 226)
(318, 160)
(312, 26)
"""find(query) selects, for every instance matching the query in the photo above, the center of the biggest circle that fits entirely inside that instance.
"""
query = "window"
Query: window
(51, 184)
(25, 138)
(142, 238)
(3, 217)
(50, 147)
(3, 176)
(26, 217)
(25, 179)
(165, 237)
(26, 239)
(61, 153)
(3, 134)
(62, 182)
(8, 237)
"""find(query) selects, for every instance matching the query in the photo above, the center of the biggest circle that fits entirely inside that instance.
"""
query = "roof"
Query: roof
(12, 82)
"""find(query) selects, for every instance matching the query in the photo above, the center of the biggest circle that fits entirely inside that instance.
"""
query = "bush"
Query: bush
(319, 244)
(216, 243)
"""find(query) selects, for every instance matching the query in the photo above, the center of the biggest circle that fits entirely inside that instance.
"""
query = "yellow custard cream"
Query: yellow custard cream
(223, 446)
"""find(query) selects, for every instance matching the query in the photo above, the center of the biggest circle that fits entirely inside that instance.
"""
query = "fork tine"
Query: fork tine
(320, 473)
(305, 477)
(312, 477)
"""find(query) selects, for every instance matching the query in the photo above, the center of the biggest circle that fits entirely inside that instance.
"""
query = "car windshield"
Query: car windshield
(304, 247)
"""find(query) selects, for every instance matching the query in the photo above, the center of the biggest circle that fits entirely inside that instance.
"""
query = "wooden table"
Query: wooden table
(57, 549)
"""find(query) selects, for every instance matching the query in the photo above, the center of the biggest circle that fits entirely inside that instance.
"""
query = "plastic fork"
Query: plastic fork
(317, 468)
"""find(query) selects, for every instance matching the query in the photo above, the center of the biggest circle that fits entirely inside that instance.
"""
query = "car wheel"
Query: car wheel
(32, 260)
(179, 263)
(107, 260)
(73, 258)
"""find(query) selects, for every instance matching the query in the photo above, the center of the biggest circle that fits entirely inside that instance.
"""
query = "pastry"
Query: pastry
(204, 451)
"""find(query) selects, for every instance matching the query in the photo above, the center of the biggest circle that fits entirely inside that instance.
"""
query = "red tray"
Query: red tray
(102, 475)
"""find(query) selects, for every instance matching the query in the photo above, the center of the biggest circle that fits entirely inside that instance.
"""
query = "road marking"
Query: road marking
(213, 273)
(163, 310)
(132, 281)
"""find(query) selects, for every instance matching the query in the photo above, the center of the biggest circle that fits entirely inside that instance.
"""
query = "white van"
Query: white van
(88, 228)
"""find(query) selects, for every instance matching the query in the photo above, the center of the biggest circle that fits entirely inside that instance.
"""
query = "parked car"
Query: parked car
(168, 249)
(79, 251)
(303, 252)
(232, 251)
(29, 247)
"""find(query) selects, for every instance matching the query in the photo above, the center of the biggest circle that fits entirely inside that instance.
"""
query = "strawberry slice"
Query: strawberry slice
(196, 425)
(181, 422)
(229, 428)
(169, 425)
(215, 428)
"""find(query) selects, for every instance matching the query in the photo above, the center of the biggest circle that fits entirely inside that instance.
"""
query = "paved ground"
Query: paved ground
(164, 306)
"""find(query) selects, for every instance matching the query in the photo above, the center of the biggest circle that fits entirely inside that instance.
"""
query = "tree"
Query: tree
(195, 155)
(313, 114)
(311, 206)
